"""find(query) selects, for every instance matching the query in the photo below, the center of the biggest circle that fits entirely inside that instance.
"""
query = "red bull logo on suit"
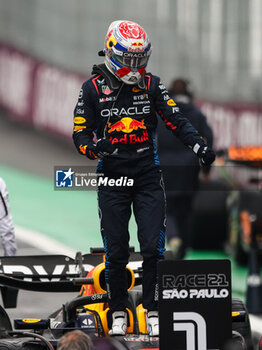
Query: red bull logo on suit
(126, 125)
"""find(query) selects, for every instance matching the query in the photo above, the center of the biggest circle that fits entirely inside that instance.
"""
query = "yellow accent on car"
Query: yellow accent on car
(99, 269)
(141, 317)
(31, 320)
(235, 314)
(97, 278)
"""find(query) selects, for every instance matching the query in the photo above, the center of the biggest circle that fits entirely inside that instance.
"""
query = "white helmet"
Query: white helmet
(127, 50)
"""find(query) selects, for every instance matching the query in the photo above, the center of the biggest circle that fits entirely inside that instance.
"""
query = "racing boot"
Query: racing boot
(119, 323)
(152, 323)
(177, 247)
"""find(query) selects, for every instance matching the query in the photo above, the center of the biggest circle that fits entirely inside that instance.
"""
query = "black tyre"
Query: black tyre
(242, 326)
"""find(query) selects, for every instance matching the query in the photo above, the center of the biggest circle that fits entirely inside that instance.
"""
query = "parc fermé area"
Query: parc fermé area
(209, 57)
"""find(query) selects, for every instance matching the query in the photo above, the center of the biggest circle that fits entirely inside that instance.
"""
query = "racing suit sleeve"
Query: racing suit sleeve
(7, 231)
(174, 119)
(85, 123)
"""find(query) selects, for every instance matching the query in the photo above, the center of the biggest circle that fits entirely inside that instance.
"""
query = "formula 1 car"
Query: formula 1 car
(89, 310)
(244, 204)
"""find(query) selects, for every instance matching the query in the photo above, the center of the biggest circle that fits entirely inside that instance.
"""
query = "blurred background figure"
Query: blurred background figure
(75, 340)
(7, 231)
(181, 168)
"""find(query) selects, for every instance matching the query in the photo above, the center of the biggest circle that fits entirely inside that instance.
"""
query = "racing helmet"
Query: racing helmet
(127, 50)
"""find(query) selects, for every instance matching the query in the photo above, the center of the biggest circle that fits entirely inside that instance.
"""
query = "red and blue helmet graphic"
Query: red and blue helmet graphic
(127, 50)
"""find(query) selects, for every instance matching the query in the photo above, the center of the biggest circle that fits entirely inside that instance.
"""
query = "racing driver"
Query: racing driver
(118, 106)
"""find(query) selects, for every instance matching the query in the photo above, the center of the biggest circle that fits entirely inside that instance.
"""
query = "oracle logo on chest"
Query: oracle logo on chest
(125, 111)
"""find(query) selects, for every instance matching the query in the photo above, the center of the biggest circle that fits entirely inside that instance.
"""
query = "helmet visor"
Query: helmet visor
(131, 59)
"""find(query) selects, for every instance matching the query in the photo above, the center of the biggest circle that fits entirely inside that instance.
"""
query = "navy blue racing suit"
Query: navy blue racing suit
(127, 115)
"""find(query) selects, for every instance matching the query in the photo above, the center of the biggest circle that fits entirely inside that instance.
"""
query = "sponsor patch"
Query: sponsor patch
(31, 320)
(106, 90)
(79, 127)
(79, 120)
(140, 97)
(80, 111)
(100, 82)
(130, 138)
(171, 102)
(80, 94)
(126, 125)
(135, 89)
(126, 112)
(107, 99)
(82, 149)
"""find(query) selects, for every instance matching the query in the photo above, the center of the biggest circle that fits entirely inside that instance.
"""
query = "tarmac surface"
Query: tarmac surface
(33, 151)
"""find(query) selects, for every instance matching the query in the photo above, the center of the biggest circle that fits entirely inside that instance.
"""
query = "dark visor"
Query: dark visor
(130, 59)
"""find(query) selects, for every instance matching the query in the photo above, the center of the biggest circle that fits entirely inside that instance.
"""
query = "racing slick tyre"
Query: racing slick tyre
(242, 326)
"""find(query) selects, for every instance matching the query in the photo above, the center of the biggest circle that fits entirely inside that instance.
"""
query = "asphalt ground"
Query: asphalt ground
(35, 152)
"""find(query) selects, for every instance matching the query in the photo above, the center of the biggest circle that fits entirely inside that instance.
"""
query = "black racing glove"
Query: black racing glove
(104, 148)
(206, 155)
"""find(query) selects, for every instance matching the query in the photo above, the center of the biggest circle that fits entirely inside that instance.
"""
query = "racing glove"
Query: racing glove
(206, 155)
(102, 148)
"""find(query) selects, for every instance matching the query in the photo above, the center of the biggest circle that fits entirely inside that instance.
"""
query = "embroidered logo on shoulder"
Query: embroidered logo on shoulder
(106, 90)
(100, 81)
(135, 89)
(171, 102)
(80, 94)
(79, 120)
(79, 127)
